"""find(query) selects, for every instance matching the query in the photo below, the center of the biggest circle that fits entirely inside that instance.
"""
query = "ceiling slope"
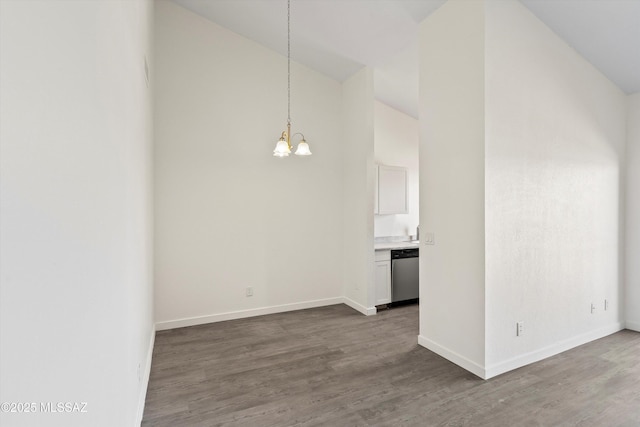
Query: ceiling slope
(337, 38)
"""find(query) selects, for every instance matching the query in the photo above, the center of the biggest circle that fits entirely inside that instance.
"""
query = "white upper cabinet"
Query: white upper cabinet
(392, 190)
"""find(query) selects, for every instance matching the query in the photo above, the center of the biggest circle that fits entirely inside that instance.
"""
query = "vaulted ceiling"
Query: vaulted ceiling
(338, 38)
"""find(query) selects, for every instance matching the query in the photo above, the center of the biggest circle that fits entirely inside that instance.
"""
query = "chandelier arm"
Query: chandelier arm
(298, 133)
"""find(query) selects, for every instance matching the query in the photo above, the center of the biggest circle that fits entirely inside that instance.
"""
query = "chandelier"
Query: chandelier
(283, 146)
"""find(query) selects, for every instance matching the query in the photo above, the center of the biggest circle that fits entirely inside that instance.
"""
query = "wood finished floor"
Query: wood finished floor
(332, 366)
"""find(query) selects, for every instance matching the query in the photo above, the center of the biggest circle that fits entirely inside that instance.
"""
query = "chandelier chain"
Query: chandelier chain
(288, 61)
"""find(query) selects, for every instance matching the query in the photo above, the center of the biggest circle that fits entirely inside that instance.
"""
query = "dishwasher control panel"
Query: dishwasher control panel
(405, 253)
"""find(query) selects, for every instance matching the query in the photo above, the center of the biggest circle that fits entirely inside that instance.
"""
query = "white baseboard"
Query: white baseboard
(241, 314)
(145, 378)
(358, 307)
(632, 326)
(524, 359)
(452, 356)
(551, 350)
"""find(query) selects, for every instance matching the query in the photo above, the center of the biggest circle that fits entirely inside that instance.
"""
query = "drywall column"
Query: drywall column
(633, 214)
(357, 152)
(452, 284)
(555, 136)
(531, 229)
(76, 319)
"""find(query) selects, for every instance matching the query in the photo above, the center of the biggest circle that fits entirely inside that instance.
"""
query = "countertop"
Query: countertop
(386, 246)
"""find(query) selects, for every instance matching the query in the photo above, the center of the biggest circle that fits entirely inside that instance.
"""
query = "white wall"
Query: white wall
(521, 161)
(452, 183)
(632, 294)
(229, 215)
(359, 171)
(396, 144)
(555, 137)
(75, 220)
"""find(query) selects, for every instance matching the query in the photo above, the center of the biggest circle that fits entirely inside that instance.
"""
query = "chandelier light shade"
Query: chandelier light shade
(283, 146)
(303, 148)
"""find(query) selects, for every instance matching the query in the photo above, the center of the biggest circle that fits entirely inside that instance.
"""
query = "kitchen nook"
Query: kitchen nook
(396, 229)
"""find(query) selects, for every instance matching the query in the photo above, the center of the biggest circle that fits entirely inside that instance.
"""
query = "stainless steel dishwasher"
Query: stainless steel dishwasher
(404, 274)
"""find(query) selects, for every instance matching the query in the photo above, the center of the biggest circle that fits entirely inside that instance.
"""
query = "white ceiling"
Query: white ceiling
(605, 32)
(338, 37)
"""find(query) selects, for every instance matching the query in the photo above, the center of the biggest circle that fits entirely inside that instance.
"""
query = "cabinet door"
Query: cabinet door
(383, 282)
(392, 190)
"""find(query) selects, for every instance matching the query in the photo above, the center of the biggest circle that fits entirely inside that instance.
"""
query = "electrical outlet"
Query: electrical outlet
(606, 305)
(249, 291)
(429, 238)
(593, 308)
(519, 329)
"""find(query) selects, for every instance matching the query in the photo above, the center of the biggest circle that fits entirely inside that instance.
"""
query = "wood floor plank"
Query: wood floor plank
(331, 366)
